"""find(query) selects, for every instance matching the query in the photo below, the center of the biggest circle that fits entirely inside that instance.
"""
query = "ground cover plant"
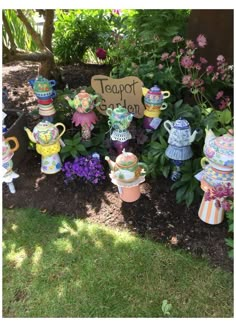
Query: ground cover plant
(57, 267)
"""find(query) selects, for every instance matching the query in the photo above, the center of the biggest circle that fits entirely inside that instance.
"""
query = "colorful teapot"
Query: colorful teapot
(215, 176)
(43, 87)
(119, 118)
(220, 150)
(126, 168)
(83, 102)
(45, 133)
(7, 151)
(154, 97)
(180, 132)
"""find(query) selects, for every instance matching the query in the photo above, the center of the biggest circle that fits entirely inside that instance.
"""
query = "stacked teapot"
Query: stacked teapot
(84, 103)
(119, 121)
(217, 165)
(43, 89)
(179, 148)
(7, 164)
(47, 138)
(154, 104)
(127, 173)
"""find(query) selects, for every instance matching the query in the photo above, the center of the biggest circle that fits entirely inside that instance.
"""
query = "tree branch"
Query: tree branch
(36, 36)
(48, 28)
(22, 55)
(8, 30)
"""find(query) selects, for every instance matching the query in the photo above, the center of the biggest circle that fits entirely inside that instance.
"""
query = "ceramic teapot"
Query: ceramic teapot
(43, 87)
(180, 132)
(154, 97)
(45, 133)
(119, 118)
(215, 176)
(126, 168)
(83, 102)
(7, 150)
(220, 150)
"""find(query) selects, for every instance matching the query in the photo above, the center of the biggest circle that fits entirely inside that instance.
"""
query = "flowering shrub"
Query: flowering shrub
(88, 168)
(205, 81)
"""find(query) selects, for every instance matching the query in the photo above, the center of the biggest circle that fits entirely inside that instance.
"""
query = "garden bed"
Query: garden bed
(155, 215)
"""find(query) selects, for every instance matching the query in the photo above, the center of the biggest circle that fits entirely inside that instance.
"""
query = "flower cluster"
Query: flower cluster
(101, 53)
(89, 168)
(197, 75)
(223, 194)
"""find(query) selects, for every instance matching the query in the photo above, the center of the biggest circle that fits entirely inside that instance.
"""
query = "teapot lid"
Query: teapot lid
(155, 89)
(120, 110)
(181, 123)
(82, 94)
(44, 125)
(224, 142)
(126, 159)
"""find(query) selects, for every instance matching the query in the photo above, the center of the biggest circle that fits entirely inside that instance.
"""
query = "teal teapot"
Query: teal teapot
(119, 118)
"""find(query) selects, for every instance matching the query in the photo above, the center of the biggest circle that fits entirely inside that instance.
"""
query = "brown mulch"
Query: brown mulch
(155, 215)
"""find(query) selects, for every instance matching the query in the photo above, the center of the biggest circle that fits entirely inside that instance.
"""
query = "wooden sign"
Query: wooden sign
(125, 92)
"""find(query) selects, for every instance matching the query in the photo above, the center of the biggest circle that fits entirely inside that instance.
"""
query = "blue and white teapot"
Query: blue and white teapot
(180, 132)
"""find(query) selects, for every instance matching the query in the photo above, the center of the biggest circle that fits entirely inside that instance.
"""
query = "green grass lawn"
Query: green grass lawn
(59, 267)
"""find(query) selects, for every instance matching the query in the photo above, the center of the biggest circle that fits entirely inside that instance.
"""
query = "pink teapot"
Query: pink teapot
(83, 102)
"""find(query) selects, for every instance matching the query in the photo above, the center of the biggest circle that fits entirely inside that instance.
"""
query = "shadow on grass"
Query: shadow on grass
(57, 267)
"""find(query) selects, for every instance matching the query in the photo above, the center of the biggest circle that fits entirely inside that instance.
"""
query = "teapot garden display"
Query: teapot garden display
(43, 89)
(119, 121)
(7, 164)
(47, 139)
(127, 173)
(217, 171)
(180, 139)
(84, 103)
(154, 104)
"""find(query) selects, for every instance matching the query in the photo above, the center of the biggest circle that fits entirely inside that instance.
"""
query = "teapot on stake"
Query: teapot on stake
(43, 90)
(127, 173)
(154, 104)
(84, 103)
(47, 138)
(119, 121)
(180, 139)
(219, 152)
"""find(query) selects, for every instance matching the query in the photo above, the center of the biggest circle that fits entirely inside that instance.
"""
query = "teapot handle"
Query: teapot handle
(109, 111)
(14, 139)
(166, 123)
(204, 162)
(166, 94)
(63, 129)
(52, 82)
(142, 164)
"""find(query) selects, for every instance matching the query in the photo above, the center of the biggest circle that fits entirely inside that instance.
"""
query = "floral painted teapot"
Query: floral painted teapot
(83, 102)
(45, 133)
(43, 88)
(220, 150)
(154, 97)
(119, 118)
(7, 150)
(180, 132)
(126, 168)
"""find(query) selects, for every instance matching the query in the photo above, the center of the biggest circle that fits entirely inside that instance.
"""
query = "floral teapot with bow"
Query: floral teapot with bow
(119, 118)
(83, 102)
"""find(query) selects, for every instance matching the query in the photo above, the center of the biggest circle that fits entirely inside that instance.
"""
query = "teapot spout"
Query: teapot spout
(209, 135)
(144, 91)
(193, 136)
(30, 135)
(111, 163)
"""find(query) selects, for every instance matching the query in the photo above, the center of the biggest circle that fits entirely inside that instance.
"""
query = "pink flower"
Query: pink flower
(207, 195)
(190, 44)
(186, 62)
(172, 60)
(164, 56)
(224, 103)
(177, 39)
(203, 60)
(215, 77)
(220, 58)
(186, 79)
(201, 41)
(101, 53)
(160, 66)
(197, 66)
(209, 69)
(219, 95)
(116, 12)
(218, 191)
(173, 54)
(198, 82)
(226, 205)
(181, 51)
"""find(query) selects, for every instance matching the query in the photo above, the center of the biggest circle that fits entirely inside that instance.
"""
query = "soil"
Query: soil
(155, 215)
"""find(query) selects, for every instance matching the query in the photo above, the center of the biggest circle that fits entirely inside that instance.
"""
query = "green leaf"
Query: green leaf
(178, 104)
(74, 153)
(80, 147)
(180, 193)
(189, 197)
(69, 142)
